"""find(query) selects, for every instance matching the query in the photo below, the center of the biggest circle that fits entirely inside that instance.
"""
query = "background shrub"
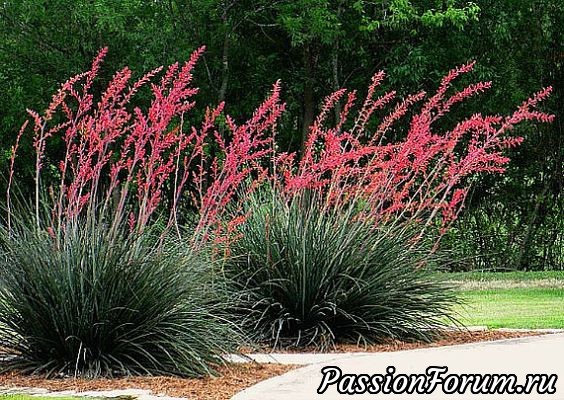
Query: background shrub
(90, 303)
(308, 276)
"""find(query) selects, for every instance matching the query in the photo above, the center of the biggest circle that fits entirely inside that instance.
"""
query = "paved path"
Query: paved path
(543, 354)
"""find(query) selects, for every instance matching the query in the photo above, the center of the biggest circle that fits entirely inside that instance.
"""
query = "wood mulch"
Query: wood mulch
(232, 379)
(446, 339)
(235, 377)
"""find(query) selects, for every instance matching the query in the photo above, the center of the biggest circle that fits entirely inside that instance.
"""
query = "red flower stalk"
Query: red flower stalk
(126, 163)
(420, 177)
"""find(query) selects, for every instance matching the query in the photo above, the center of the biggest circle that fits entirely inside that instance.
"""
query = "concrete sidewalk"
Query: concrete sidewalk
(542, 354)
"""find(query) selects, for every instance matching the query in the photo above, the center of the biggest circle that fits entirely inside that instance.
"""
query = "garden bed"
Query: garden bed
(234, 377)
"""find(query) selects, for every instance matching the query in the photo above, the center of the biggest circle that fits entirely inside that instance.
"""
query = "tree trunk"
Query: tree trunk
(335, 68)
(225, 68)
(336, 84)
(309, 100)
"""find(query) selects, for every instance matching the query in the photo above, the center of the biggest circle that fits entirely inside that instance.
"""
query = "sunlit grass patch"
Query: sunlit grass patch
(477, 280)
(530, 308)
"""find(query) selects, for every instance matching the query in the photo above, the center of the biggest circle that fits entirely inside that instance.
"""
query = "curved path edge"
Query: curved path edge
(539, 354)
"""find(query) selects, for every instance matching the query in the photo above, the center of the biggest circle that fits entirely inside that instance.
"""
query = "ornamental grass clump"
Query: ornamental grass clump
(86, 302)
(90, 284)
(342, 249)
(312, 277)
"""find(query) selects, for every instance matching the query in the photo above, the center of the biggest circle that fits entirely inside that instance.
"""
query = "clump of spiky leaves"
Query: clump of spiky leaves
(89, 302)
(313, 276)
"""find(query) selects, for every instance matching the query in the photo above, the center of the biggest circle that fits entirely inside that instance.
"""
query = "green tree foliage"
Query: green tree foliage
(517, 222)
(316, 47)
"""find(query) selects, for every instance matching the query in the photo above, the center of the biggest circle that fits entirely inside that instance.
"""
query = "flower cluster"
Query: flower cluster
(124, 162)
(133, 161)
(420, 177)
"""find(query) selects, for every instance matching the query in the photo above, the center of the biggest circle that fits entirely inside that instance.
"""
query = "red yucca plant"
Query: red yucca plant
(126, 159)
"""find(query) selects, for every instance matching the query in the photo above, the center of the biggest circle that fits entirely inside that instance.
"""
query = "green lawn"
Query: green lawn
(512, 299)
(514, 308)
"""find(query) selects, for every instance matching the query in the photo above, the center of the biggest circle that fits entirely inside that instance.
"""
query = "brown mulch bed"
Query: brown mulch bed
(446, 339)
(235, 377)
